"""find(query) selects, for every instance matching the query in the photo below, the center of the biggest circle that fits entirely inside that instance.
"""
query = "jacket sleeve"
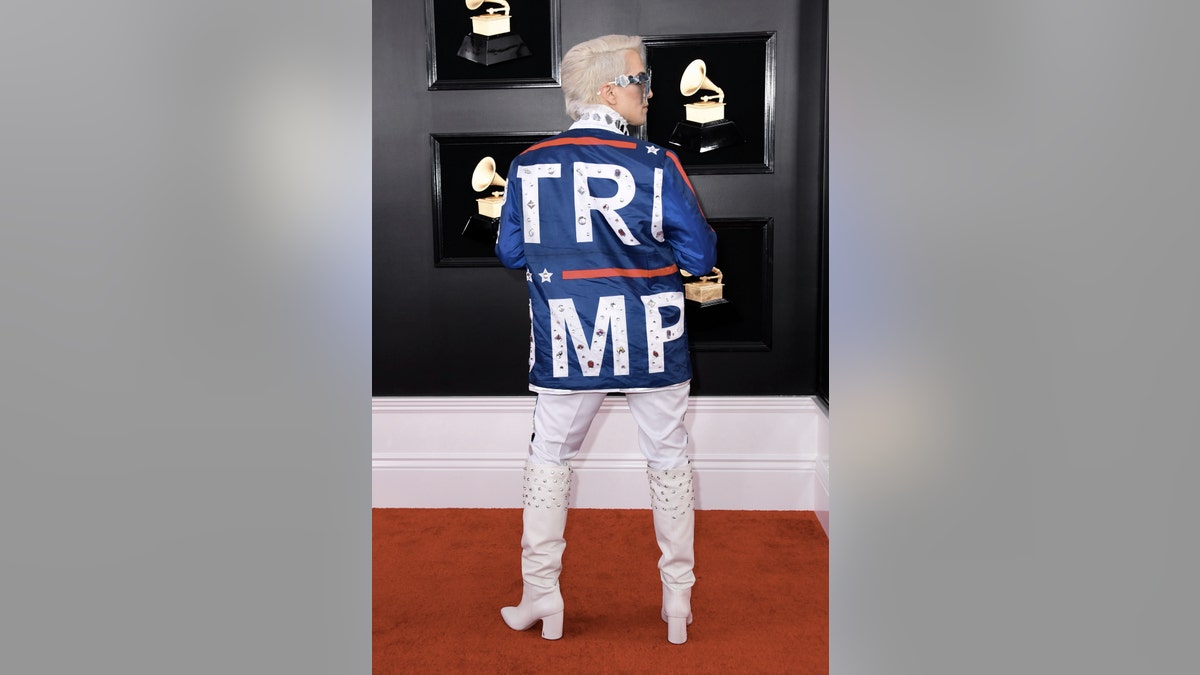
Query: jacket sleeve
(510, 240)
(684, 224)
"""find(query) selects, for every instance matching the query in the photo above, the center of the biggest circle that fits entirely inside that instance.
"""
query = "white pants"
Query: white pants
(561, 423)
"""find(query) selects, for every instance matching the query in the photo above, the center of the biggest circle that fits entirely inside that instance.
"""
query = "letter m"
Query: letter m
(568, 336)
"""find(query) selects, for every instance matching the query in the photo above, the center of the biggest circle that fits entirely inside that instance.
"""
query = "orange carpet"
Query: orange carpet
(761, 600)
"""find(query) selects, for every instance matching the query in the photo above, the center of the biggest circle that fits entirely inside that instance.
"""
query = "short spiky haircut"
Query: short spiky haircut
(588, 66)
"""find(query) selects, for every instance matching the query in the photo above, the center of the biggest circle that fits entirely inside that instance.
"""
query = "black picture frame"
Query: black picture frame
(746, 260)
(455, 157)
(537, 24)
(743, 65)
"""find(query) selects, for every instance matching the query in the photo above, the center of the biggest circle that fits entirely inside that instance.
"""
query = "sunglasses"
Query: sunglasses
(642, 78)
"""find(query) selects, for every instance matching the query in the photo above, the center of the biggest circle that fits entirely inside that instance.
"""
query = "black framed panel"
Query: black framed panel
(745, 258)
(461, 235)
(742, 66)
(524, 55)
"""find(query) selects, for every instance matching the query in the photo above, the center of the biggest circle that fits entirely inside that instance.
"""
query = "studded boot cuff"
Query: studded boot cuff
(546, 487)
(671, 490)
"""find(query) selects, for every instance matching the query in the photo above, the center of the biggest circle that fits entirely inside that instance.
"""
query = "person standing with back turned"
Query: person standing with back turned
(602, 224)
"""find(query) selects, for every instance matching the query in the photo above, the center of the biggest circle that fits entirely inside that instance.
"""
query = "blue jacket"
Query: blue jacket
(602, 223)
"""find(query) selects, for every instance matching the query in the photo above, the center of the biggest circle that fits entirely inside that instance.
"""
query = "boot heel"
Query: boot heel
(676, 630)
(552, 626)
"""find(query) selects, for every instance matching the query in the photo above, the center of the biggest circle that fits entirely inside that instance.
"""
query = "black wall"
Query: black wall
(464, 331)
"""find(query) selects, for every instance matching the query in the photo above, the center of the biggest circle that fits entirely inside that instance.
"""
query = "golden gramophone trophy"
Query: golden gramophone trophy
(708, 290)
(491, 39)
(705, 127)
(485, 222)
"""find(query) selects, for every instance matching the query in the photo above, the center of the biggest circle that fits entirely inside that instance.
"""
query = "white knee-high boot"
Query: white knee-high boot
(545, 494)
(673, 501)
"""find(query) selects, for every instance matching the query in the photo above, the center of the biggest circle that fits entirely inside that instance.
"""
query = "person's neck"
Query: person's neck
(598, 116)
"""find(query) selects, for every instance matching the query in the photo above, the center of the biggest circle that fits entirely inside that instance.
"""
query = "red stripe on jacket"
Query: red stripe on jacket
(618, 272)
(626, 145)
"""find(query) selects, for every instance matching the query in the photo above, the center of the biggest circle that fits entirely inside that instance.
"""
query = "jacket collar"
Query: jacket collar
(595, 116)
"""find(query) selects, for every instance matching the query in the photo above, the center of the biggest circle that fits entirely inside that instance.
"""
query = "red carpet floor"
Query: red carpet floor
(761, 600)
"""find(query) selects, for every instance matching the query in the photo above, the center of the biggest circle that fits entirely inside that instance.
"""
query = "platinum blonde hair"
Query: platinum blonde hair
(590, 65)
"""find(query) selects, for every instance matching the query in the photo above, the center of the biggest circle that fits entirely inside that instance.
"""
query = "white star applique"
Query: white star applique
(651, 149)
(545, 275)
(528, 275)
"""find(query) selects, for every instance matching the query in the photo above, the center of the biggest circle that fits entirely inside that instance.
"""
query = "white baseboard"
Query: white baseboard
(755, 453)
(822, 471)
